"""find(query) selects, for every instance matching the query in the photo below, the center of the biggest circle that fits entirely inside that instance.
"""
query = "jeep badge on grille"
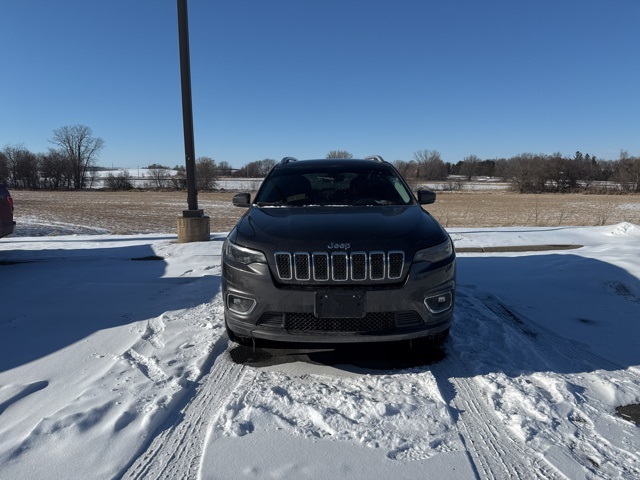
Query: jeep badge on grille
(339, 246)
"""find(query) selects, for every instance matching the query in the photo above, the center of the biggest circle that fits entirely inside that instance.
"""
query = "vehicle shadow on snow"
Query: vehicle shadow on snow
(370, 358)
(560, 313)
(55, 298)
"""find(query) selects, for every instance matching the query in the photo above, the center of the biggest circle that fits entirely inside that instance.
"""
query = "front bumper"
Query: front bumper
(401, 305)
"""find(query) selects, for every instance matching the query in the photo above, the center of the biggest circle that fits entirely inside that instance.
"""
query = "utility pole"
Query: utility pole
(193, 226)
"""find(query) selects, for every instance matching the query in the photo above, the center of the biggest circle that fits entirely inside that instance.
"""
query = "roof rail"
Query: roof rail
(286, 160)
(376, 158)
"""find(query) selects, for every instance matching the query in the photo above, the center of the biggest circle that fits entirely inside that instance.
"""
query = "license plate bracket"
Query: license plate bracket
(340, 304)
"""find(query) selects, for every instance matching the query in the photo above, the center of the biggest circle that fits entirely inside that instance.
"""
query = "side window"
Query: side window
(270, 193)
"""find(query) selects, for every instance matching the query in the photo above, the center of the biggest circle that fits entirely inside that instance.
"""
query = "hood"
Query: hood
(315, 228)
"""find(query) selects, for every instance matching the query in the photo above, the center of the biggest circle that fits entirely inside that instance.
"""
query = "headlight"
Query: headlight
(242, 254)
(434, 254)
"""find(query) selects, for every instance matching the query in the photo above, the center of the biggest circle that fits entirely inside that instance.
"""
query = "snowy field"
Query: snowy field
(144, 178)
(114, 364)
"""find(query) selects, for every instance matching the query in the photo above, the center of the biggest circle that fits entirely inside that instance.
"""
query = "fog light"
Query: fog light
(238, 304)
(439, 303)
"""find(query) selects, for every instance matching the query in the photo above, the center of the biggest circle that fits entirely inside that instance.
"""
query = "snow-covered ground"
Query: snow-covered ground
(114, 363)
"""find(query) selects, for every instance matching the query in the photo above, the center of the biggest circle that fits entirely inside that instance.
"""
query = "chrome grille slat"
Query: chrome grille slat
(358, 266)
(376, 262)
(302, 267)
(320, 266)
(340, 266)
(395, 261)
(283, 265)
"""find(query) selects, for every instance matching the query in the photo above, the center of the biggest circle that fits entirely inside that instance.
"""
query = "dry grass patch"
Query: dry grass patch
(503, 209)
(156, 212)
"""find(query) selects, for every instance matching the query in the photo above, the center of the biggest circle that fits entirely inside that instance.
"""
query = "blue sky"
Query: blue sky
(275, 78)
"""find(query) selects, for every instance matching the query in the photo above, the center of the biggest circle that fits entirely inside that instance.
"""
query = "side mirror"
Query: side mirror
(242, 200)
(426, 197)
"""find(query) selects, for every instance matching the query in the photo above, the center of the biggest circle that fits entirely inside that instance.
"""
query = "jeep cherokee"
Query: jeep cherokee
(337, 250)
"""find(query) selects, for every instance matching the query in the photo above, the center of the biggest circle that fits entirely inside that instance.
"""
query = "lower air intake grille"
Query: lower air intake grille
(308, 322)
(271, 319)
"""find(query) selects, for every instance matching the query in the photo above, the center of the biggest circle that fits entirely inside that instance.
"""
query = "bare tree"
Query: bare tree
(429, 165)
(555, 169)
(55, 170)
(628, 172)
(339, 154)
(4, 168)
(527, 173)
(266, 165)
(206, 173)
(500, 168)
(224, 169)
(470, 167)
(179, 180)
(256, 169)
(159, 175)
(406, 169)
(121, 181)
(23, 166)
(81, 149)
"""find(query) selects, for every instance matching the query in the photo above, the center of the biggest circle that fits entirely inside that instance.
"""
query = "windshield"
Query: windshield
(333, 185)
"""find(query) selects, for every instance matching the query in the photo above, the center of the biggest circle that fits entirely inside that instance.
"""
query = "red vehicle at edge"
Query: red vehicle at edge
(6, 212)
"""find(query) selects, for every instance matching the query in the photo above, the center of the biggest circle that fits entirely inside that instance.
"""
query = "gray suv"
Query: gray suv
(334, 251)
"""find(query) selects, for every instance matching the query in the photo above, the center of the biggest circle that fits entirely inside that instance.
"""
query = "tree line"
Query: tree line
(163, 177)
(533, 173)
(71, 164)
(527, 172)
(68, 163)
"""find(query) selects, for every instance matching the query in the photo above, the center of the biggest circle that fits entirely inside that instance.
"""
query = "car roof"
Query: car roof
(291, 163)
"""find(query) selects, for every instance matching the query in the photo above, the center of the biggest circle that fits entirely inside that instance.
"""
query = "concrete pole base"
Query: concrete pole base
(193, 229)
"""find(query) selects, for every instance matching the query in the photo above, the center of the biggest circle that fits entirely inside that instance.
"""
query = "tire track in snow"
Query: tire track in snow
(495, 453)
(511, 402)
(588, 448)
(177, 451)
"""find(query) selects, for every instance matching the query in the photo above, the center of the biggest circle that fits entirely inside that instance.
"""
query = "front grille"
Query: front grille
(340, 266)
(372, 322)
(271, 319)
